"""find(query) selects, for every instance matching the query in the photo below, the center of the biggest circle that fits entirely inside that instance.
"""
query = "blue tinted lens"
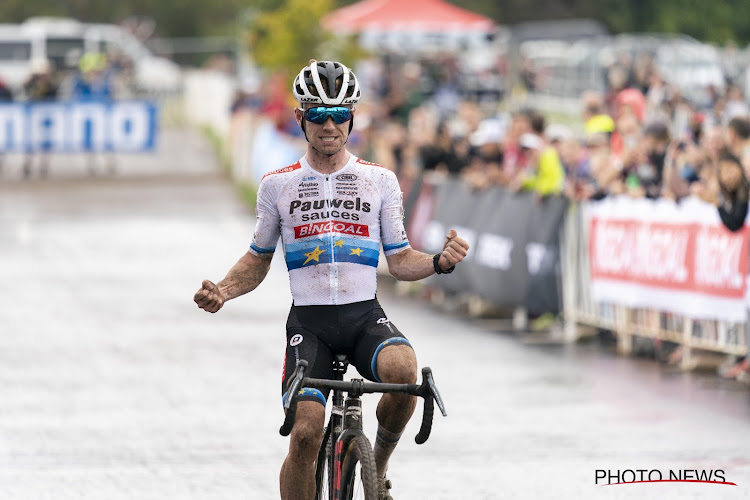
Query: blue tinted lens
(320, 114)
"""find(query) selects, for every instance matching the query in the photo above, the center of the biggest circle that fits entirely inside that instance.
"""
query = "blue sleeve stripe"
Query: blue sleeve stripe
(262, 250)
(395, 246)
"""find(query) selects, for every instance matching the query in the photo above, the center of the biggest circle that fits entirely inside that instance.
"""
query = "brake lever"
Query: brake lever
(295, 383)
(434, 391)
(290, 404)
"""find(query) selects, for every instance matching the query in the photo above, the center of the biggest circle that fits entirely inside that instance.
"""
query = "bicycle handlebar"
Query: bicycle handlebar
(426, 390)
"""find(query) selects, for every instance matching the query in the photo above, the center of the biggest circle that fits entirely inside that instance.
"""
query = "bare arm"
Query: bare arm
(243, 277)
(413, 265)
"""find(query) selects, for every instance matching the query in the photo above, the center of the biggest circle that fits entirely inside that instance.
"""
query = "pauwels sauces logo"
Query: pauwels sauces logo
(325, 209)
(334, 226)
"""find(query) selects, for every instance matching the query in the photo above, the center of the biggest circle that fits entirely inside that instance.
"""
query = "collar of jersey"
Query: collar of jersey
(352, 160)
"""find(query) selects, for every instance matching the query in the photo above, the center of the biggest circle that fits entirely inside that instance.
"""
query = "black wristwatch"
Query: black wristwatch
(436, 265)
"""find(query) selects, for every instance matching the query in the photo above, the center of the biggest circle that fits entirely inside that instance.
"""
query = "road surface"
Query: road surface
(114, 385)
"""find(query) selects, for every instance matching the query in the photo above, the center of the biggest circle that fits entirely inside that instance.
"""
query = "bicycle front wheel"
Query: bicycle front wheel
(324, 468)
(358, 477)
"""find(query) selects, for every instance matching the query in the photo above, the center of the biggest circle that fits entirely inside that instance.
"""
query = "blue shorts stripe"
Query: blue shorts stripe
(308, 392)
(385, 343)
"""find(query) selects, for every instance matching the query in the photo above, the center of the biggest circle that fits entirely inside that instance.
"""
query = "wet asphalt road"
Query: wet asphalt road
(113, 385)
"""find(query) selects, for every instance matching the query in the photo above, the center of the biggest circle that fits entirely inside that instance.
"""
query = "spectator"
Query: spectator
(595, 117)
(646, 163)
(484, 169)
(733, 191)
(93, 82)
(736, 105)
(5, 96)
(40, 86)
(512, 161)
(738, 140)
(683, 168)
(630, 111)
(579, 182)
(544, 174)
(606, 168)
(94, 79)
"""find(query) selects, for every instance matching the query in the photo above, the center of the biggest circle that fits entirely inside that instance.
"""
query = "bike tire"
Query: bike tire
(359, 479)
(324, 468)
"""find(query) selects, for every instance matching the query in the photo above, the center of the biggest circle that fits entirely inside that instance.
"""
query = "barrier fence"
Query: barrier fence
(635, 267)
(659, 270)
(515, 241)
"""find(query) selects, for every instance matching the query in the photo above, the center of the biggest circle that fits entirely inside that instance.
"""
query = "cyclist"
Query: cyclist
(333, 211)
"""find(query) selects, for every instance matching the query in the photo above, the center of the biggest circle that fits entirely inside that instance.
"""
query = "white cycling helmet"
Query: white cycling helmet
(326, 82)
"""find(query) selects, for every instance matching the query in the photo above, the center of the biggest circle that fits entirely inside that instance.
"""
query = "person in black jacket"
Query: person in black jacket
(734, 191)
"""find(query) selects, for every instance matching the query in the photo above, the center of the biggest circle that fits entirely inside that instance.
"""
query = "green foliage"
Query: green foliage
(286, 38)
(720, 21)
(287, 32)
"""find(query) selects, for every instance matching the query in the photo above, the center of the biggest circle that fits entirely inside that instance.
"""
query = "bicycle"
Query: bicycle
(345, 453)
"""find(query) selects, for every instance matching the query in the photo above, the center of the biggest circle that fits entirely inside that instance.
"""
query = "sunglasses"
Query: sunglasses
(320, 115)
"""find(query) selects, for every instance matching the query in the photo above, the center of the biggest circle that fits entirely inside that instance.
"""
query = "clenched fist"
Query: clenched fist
(209, 297)
(454, 250)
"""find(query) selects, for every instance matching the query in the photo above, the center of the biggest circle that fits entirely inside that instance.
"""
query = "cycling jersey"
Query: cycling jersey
(332, 227)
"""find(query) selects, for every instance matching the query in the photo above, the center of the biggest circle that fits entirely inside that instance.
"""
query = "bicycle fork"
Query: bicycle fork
(352, 426)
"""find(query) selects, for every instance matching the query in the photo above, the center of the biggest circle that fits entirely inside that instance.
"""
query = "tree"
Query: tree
(285, 39)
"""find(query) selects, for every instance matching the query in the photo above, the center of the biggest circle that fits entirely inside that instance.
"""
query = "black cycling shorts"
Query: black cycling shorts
(317, 333)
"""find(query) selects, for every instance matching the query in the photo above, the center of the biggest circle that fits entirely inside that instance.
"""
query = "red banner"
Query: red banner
(662, 257)
(334, 226)
(678, 256)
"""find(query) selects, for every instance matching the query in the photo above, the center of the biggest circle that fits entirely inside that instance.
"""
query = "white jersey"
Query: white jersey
(331, 227)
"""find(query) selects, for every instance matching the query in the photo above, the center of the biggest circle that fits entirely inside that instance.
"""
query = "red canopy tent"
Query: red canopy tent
(405, 15)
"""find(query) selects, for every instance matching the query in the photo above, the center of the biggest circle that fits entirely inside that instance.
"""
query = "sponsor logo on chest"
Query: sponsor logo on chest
(333, 226)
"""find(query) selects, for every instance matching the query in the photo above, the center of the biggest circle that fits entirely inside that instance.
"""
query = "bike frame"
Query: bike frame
(345, 422)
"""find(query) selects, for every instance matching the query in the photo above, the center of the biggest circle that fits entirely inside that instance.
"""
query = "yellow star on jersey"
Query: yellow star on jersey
(314, 255)
(338, 243)
(356, 251)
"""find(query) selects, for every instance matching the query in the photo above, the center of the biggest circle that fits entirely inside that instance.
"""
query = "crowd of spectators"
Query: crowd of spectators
(640, 137)
(95, 77)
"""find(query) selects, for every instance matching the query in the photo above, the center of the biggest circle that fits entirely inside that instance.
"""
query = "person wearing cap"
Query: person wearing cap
(333, 212)
(93, 82)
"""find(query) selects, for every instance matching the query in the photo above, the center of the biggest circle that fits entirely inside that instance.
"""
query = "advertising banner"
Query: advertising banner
(514, 253)
(78, 126)
(660, 255)
(543, 254)
(454, 209)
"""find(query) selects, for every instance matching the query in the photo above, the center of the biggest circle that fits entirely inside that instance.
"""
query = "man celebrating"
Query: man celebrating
(333, 211)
